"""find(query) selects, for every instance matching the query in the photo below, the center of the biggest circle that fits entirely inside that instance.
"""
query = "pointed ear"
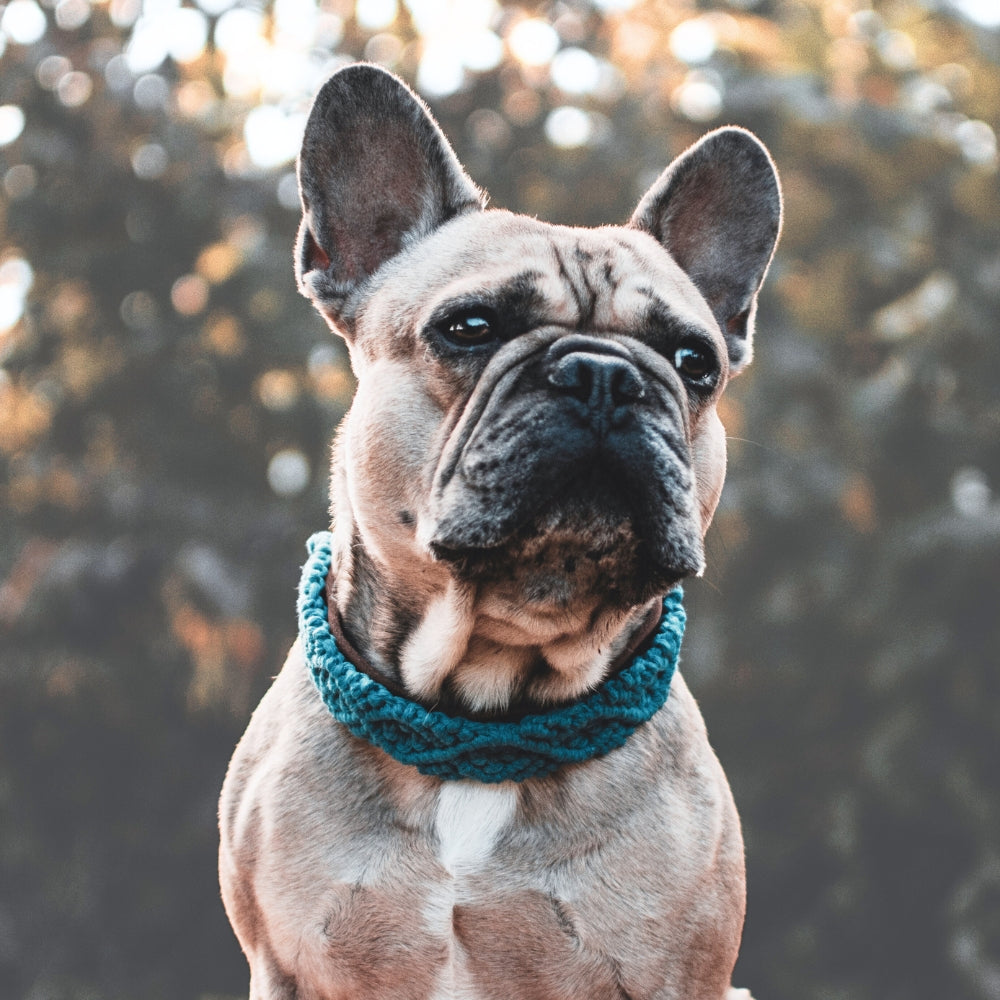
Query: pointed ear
(375, 173)
(717, 210)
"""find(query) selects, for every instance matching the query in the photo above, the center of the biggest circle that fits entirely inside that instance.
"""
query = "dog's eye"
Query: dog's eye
(695, 364)
(469, 327)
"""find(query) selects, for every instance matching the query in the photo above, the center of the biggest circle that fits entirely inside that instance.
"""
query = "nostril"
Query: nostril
(626, 386)
(602, 381)
(573, 376)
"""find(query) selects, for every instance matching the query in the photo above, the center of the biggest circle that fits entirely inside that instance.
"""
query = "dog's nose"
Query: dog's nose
(606, 383)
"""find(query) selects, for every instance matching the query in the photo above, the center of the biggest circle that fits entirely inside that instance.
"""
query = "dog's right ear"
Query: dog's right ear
(375, 174)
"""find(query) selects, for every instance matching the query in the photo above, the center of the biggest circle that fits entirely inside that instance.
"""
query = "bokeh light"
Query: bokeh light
(457, 38)
(288, 472)
(20, 181)
(441, 72)
(71, 15)
(693, 41)
(568, 127)
(273, 136)
(23, 22)
(533, 41)
(278, 389)
(970, 492)
(150, 161)
(74, 89)
(51, 69)
(16, 279)
(982, 12)
(699, 97)
(11, 123)
(151, 92)
(978, 142)
(189, 294)
(376, 15)
(575, 71)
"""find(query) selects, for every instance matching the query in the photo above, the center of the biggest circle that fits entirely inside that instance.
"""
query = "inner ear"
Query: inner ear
(313, 256)
(375, 173)
(717, 211)
(736, 326)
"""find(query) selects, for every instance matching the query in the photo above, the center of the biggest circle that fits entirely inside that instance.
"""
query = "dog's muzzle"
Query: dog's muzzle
(571, 436)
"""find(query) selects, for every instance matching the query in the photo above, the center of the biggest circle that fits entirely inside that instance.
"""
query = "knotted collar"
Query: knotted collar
(454, 747)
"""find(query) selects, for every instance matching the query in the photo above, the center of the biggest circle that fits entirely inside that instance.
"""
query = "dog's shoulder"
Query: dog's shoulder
(666, 780)
(295, 759)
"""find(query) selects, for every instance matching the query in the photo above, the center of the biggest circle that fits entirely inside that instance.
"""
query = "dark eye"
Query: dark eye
(695, 364)
(469, 327)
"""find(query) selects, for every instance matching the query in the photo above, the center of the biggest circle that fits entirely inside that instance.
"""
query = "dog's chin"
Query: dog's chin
(586, 548)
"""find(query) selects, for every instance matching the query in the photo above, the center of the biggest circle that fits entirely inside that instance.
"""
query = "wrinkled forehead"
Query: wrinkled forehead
(611, 279)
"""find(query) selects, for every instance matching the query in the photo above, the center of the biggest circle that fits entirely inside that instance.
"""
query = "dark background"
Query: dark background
(166, 401)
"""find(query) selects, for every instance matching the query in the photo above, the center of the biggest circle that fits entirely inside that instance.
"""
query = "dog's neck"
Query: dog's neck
(474, 649)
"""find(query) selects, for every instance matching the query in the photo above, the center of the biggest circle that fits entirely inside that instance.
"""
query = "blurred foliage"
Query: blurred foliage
(166, 401)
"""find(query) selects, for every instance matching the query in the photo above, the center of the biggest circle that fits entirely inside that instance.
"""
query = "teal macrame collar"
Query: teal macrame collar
(453, 747)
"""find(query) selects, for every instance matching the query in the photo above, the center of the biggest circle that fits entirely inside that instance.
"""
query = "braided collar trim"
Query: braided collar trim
(452, 747)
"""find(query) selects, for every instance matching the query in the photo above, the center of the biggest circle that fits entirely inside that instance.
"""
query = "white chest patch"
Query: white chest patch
(469, 821)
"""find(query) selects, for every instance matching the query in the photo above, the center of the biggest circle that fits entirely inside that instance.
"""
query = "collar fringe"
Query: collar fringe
(452, 747)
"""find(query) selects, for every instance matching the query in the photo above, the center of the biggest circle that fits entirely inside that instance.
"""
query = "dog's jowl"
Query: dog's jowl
(478, 774)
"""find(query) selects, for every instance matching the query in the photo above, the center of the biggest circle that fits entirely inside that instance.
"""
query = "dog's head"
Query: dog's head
(536, 405)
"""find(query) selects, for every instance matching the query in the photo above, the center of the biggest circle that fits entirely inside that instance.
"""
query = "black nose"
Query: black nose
(604, 382)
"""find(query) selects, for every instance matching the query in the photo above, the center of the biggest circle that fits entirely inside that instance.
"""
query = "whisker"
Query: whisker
(756, 444)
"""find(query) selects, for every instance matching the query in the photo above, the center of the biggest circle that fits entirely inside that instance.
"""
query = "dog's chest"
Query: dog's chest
(469, 818)
(446, 911)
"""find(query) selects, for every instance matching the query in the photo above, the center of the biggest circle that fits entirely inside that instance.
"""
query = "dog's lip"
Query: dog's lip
(611, 490)
(668, 565)
(443, 552)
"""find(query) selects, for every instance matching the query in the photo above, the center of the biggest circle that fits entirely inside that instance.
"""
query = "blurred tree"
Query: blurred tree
(166, 401)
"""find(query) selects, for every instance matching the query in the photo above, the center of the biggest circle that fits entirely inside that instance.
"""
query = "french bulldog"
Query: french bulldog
(531, 461)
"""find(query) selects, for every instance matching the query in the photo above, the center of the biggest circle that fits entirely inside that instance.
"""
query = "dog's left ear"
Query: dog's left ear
(717, 210)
